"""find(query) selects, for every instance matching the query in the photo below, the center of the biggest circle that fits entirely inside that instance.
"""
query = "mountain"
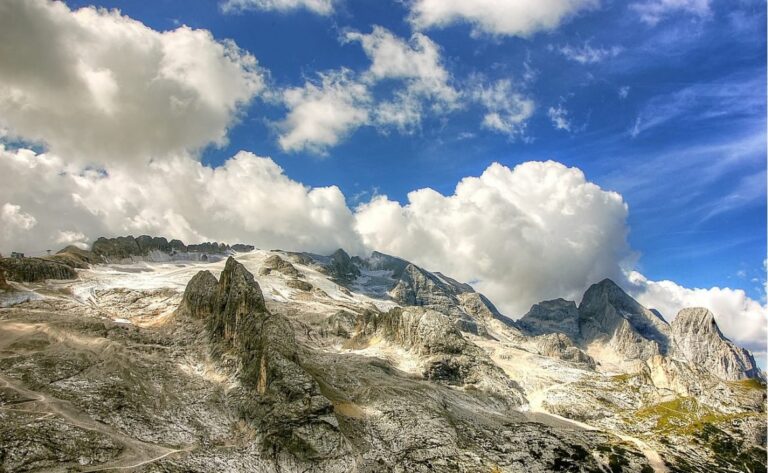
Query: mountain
(698, 339)
(152, 358)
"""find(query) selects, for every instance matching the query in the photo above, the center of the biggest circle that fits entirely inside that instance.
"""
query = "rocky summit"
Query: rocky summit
(148, 354)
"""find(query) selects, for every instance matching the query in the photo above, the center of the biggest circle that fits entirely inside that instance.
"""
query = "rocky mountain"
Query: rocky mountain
(698, 339)
(280, 362)
(146, 248)
(35, 269)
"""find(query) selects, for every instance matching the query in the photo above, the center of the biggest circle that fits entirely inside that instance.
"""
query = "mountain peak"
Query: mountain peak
(698, 339)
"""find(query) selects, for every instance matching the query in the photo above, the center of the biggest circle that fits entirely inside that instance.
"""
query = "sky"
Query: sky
(530, 147)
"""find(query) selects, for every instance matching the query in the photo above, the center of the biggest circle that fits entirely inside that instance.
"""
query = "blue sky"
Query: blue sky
(672, 116)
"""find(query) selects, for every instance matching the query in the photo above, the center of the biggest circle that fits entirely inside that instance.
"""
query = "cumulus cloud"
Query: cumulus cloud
(587, 54)
(418, 62)
(507, 110)
(246, 199)
(321, 7)
(653, 11)
(321, 114)
(740, 318)
(98, 87)
(521, 235)
(513, 18)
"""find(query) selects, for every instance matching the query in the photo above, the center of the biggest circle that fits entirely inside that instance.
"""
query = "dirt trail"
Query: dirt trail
(136, 453)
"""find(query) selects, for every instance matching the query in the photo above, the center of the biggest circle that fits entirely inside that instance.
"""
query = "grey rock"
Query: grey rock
(554, 316)
(35, 269)
(299, 284)
(559, 345)
(609, 314)
(341, 268)
(451, 358)
(698, 339)
(276, 263)
(200, 296)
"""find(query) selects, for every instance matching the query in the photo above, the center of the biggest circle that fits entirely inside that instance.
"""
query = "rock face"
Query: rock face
(417, 287)
(698, 339)
(450, 358)
(35, 269)
(341, 268)
(555, 316)
(199, 299)
(276, 263)
(4, 286)
(283, 402)
(76, 257)
(559, 345)
(609, 315)
(128, 248)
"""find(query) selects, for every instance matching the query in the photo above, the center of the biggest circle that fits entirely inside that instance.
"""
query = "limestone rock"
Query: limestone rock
(554, 316)
(199, 299)
(609, 315)
(35, 269)
(276, 263)
(76, 257)
(559, 345)
(283, 401)
(299, 284)
(449, 357)
(698, 339)
(341, 268)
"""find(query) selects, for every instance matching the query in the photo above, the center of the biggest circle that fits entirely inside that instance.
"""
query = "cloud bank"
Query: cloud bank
(97, 86)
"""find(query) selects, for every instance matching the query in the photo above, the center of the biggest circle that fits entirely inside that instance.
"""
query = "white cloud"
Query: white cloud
(98, 87)
(653, 11)
(247, 199)
(322, 114)
(497, 17)
(507, 111)
(740, 318)
(537, 231)
(15, 223)
(321, 7)
(624, 92)
(418, 62)
(587, 54)
(559, 117)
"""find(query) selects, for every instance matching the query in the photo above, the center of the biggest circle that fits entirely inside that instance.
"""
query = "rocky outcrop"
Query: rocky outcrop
(294, 420)
(200, 296)
(299, 285)
(241, 248)
(698, 339)
(554, 316)
(341, 268)
(608, 315)
(35, 269)
(448, 357)
(469, 310)
(4, 286)
(127, 249)
(559, 345)
(278, 264)
(76, 257)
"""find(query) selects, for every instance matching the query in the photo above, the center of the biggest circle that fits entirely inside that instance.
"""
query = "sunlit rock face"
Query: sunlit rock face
(698, 339)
